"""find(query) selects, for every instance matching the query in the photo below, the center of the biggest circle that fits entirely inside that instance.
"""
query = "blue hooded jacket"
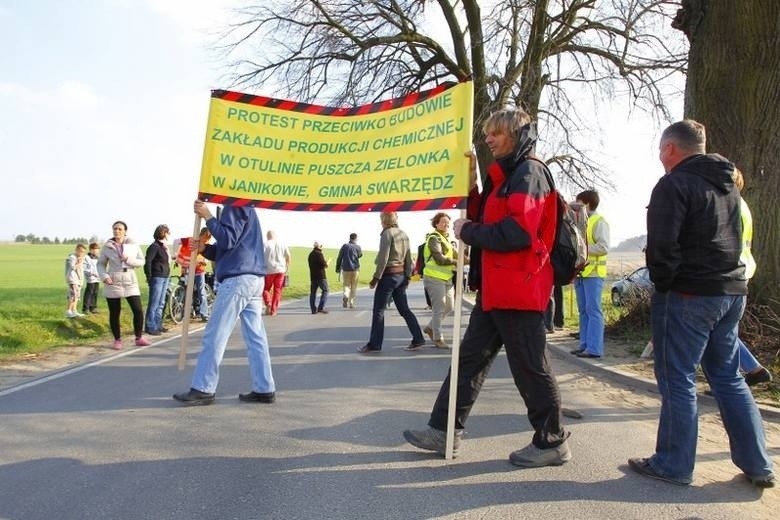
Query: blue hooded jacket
(239, 246)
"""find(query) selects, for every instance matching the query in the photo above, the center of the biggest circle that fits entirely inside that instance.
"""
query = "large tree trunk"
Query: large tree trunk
(733, 88)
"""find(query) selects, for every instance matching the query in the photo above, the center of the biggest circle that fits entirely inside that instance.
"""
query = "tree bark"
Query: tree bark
(732, 88)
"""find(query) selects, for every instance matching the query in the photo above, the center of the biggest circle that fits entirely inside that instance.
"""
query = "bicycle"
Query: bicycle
(177, 293)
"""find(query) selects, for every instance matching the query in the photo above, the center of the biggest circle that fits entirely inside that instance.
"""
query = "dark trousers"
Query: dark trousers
(392, 286)
(322, 285)
(522, 334)
(558, 311)
(115, 309)
(89, 302)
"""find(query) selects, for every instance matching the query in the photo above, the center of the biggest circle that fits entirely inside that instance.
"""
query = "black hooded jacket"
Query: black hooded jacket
(694, 230)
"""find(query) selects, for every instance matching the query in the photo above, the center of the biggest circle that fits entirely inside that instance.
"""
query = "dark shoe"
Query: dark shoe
(165, 329)
(314, 312)
(576, 351)
(154, 332)
(575, 335)
(433, 440)
(762, 375)
(257, 397)
(588, 355)
(767, 481)
(322, 311)
(642, 466)
(368, 349)
(194, 398)
(415, 346)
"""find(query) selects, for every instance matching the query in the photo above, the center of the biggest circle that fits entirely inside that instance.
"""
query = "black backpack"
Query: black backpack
(570, 250)
(419, 265)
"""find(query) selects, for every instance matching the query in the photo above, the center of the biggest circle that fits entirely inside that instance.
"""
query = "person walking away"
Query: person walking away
(348, 265)
(318, 278)
(74, 277)
(240, 267)
(694, 243)
(277, 263)
(157, 270)
(510, 229)
(440, 264)
(589, 284)
(91, 280)
(391, 278)
(116, 264)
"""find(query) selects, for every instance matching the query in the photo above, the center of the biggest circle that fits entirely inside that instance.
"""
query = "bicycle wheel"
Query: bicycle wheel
(177, 304)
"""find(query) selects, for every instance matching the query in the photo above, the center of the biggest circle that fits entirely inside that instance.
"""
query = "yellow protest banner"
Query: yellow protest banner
(400, 154)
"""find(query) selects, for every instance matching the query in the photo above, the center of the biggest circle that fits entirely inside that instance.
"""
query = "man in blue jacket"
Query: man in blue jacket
(240, 268)
(694, 243)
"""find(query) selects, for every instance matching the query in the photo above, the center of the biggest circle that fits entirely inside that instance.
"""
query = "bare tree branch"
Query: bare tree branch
(549, 56)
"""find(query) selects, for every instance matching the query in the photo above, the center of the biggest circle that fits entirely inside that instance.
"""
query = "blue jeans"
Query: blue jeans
(693, 330)
(747, 361)
(158, 285)
(392, 285)
(201, 304)
(323, 286)
(588, 290)
(238, 297)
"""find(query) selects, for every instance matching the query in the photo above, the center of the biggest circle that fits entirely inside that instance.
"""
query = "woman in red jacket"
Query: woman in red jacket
(510, 228)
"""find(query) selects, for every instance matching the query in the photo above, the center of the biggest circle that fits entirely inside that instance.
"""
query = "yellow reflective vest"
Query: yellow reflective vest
(432, 269)
(746, 257)
(597, 264)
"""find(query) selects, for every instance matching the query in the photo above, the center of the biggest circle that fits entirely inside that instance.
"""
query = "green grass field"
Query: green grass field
(33, 296)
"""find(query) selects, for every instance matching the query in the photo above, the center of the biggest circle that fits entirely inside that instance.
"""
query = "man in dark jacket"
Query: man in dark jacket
(348, 265)
(510, 229)
(693, 253)
(319, 279)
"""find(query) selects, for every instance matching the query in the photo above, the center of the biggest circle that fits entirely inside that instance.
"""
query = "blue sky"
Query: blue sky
(103, 107)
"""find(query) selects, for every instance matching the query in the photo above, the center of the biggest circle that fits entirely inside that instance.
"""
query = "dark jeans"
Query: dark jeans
(392, 285)
(522, 333)
(323, 286)
(115, 309)
(558, 310)
(89, 302)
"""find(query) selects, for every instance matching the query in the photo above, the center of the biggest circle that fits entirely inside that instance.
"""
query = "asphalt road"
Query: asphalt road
(108, 442)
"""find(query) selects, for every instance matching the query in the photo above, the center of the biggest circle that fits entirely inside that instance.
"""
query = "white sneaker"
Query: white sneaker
(71, 314)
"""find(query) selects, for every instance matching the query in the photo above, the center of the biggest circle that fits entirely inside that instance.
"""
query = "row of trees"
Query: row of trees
(561, 60)
(33, 239)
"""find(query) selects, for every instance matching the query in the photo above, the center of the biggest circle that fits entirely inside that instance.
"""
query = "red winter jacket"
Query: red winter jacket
(513, 226)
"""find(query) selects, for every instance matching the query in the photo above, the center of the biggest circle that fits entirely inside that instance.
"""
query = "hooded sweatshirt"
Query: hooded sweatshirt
(694, 229)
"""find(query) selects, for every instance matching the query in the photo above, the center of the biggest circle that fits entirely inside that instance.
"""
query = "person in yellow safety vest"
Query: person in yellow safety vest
(754, 372)
(439, 261)
(589, 285)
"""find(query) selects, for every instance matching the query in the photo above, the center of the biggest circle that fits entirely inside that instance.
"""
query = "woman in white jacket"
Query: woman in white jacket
(116, 265)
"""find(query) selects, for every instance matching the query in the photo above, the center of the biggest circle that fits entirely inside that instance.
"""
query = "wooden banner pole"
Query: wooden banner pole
(185, 324)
